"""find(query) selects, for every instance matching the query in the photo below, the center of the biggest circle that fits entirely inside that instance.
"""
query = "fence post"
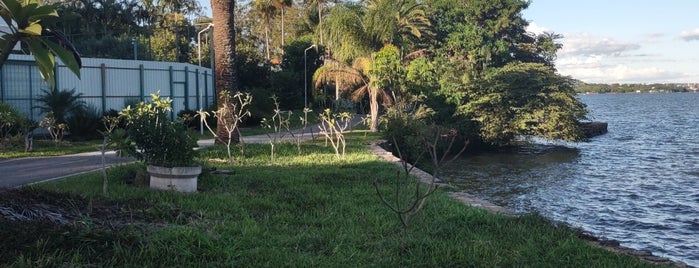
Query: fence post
(186, 87)
(172, 83)
(172, 90)
(196, 80)
(55, 74)
(206, 87)
(2, 82)
(103, 76)
(141, 82)
(31, 93)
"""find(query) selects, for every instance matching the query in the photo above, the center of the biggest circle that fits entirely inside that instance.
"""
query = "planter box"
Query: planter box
(180, 179)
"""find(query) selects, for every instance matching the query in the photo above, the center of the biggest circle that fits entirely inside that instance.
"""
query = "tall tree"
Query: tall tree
(226, 79)
(266, 10)
(499, 76)
(355, 31)
(282, 5)
(395, 21)
(319, 6)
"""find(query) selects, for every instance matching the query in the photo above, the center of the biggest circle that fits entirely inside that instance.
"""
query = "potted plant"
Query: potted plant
(166, 146)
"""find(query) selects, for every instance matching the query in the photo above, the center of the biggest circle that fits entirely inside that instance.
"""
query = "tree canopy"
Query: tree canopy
(471, 61)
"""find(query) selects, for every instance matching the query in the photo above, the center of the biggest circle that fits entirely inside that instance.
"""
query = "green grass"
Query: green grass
(295, 123)
(308, 210)
(49, 148)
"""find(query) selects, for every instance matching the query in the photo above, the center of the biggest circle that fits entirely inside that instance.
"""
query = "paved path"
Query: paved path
(23, 171)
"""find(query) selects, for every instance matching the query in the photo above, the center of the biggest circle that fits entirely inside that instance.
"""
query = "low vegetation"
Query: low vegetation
(310, 210)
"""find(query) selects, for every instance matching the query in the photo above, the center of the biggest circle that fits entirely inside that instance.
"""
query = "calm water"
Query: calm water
(638, 184)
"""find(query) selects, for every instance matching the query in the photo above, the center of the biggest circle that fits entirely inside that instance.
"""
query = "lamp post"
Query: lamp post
(199, 40)
(201, 102)
(305, 77)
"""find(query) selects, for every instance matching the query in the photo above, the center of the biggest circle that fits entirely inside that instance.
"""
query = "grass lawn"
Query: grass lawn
(308, 210)
(49, 148)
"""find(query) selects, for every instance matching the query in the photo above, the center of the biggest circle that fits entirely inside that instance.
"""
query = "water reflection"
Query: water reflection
(638, 184)
(500, 176)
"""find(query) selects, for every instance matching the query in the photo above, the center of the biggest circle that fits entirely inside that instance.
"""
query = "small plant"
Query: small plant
(408, 195)
(304, 123)
(158, 140)
(55, 129)
(280, 120)
(237, 112)
(13, 124)
(110, 124)
(333, 127)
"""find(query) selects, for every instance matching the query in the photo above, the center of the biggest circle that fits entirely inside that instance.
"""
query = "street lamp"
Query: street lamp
(305, 76)
(201, 102)
(199, 40)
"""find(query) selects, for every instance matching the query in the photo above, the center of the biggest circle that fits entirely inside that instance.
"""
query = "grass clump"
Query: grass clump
(311, 210)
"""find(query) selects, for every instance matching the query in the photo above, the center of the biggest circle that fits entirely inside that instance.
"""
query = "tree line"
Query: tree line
(634, 88)
(469, 64)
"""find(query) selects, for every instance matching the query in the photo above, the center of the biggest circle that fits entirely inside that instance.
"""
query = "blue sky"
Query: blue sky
(620, 41)
(623, 41)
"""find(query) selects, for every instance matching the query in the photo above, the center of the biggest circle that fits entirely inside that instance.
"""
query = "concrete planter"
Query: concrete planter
(180, 179)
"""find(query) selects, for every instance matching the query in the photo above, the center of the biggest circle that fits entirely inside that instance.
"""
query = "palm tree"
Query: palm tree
(355, 78)
(319, 4)
(355, 31)
(226, 78)
(394, 21)
(282, 5)
(266, 9)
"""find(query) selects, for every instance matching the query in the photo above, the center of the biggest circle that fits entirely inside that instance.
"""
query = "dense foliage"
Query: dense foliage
(470, 61)
(157, 139)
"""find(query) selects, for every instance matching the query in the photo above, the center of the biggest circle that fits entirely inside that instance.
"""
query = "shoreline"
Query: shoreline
(472, 200)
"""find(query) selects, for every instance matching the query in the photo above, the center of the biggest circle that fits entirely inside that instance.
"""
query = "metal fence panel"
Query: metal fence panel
(108, 83)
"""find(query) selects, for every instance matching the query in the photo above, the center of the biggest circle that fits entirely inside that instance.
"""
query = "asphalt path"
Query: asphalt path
(19, 172)
(22, 171)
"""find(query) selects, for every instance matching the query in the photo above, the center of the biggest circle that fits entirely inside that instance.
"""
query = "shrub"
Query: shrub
(161, 141)
(85, 125)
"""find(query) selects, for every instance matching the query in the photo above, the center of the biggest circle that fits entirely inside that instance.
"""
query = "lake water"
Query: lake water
(638, 184)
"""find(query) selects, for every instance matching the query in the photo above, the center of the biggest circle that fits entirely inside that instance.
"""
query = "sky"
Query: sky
(619, 41)
(622, 41)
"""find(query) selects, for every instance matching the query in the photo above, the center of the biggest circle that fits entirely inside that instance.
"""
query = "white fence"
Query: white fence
(108, 84)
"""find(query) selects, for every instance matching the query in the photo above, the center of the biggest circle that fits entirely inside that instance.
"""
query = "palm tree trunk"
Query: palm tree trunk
(282, 26)
(374, 109)
(267, 40)
(338, 84)
(320, 21)
(225, 76)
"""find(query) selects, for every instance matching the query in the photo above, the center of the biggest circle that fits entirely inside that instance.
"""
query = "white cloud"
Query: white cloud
(584, 44)
(605, 60)
(595, 71)
(536, 29)
(691, 35)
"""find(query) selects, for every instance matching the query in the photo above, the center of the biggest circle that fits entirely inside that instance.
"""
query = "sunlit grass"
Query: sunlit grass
(306, 210)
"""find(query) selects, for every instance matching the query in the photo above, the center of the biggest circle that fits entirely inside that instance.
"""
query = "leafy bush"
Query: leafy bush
(85, 125)
(61, 103)
(10, 120)
(161, 141)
